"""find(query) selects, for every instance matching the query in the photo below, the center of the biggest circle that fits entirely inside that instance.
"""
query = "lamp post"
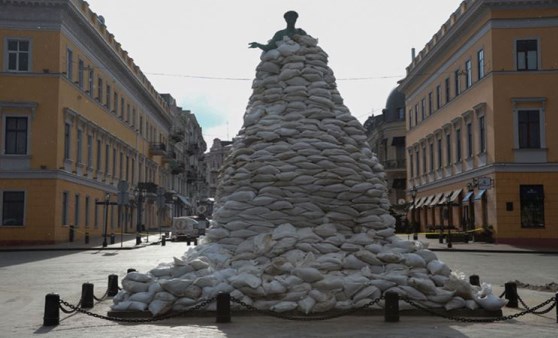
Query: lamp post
(107, 201)
(139, 194)
(471, 223)
(414, 191)
(449, 204)
(174, 211)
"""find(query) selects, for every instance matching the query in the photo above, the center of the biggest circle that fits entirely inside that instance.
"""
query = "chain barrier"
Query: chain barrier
(76, 308)
(304, 318)
(483, 320)
(103, 297)
(542, 312)
(73, 308)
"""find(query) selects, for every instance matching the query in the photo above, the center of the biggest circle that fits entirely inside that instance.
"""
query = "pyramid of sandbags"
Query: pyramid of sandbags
(301, 219)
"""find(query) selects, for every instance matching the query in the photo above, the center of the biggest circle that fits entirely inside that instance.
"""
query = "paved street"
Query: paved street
(27, 276)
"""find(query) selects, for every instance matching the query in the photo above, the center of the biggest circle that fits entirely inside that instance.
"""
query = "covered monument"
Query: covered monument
(301, 218)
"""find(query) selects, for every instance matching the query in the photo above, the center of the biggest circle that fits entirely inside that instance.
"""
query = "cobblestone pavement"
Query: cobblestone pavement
(27, 276)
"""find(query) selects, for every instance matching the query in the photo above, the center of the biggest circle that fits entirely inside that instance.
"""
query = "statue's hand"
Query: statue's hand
(254, 45)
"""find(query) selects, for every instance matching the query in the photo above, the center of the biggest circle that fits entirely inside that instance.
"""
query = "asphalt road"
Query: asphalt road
(27, 276)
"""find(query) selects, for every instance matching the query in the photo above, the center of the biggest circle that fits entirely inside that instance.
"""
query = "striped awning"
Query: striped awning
(436, 199)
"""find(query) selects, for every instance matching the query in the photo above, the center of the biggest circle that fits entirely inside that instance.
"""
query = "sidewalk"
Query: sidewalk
(434, 245)
(124, 242)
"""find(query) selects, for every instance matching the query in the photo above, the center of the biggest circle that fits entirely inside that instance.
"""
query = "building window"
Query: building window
(529, 129)
(457, 88)
(133, 171)
(469, 74)
(127, 167)
(527, 54)
(457, 145)
(98, 167)
(470, 140)
(411, 165)
(482, 135)
(89, 151)
(100, 89)
(439, 153)
(67, 141)
(96, 214)
(76, 211)
(416, 116)
(69, 64)
(80, 73)
(431, 145)
(141, 124)
(128, 113)
(121, 165)
(417, 163)
(115, 103)
(430, 104)
(13, 207)
(532, 206)
(448, 149)
(410, 118)
(90, 82)
(114, 162)
(79, 146)
(122, 106)
(107, 156)
(438, 97)
(447, 83)
(86, 211)
(400, 114)
(65, 208)
(423, 109)
(107, 99)
(424, 160)
(480, 64)
(16, 136)
(18, 55)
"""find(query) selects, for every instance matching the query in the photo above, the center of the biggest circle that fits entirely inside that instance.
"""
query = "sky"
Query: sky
(197, 50)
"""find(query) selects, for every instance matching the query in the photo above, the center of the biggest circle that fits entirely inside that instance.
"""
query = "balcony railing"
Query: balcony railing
(157, 149)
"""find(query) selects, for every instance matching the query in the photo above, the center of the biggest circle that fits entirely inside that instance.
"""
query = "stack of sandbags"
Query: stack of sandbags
(301, 219)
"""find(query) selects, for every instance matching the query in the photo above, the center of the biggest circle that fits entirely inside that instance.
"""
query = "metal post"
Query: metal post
(72, 233)
(511, 294)
(138, 224)
(223, 308)
(112, 288)
(474, 280)
(449, 224)
(163, 240)
(130, 270)
(112, 238)
(556, 306)
(86, 237)
(107, 198)
(415, 230)
(86, 296)
(52, 310)
(391, 308)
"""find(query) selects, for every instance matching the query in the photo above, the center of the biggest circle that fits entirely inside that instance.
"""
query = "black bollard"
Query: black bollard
(72, 234)
(556, 306)
(511, 294)
(112, 288)
(223, 308)
(52, 310)
(86, 296)
(111, 238)
(391, 309)
(86, 238)
(474, 280)
(163, 240)
(131, 270)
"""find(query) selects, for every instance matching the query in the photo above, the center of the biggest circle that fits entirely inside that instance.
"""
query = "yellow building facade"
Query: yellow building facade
(481, 106)
(78, 120)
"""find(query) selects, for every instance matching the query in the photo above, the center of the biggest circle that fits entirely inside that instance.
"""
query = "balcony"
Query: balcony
(157, 149)
(177, 167)
(394, 164)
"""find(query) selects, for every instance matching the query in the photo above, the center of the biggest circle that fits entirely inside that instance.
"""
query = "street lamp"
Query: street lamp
(139, 194)
(414, 191)
(450, 214)
(107, 202)
(174, 211)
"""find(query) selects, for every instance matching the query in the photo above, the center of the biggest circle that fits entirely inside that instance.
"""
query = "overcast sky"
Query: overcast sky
(197, 50)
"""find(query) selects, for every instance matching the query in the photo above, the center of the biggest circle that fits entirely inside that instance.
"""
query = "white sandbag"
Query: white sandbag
(133, 286)
(325, 305)
(212, 291)
(368, 257)
(159, 307)
(350, 262)
(305, 305)
(129, 305)
(441, 296)
(487, 300)
(165, 296)
(414, 260)
(176, 286)
(284, 230)
(427, 255)
(307, 274)
(245, 279)
(437, 267)
(460, 285)
(144, 297)
(425, 286)
(138, 277)
(455, 303)
(390, 257)
(370, 292)
(284, 306)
